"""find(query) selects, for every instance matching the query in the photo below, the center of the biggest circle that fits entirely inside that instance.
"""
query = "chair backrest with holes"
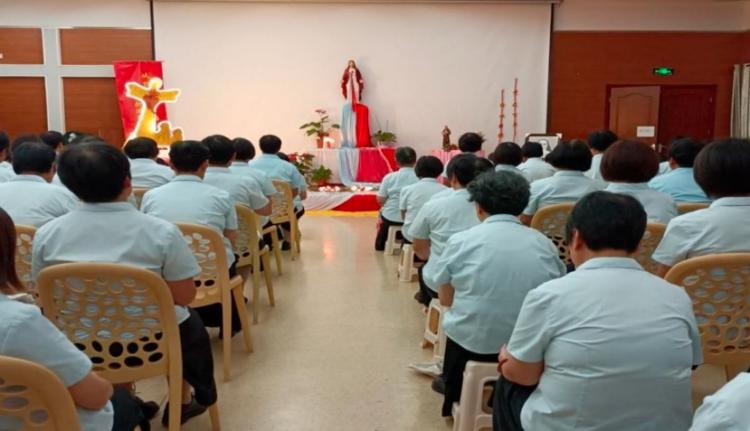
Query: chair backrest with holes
(686, 207)
(33, 398)
(121, 316)
(719, 286)
(651, 239)
(208, 248)
(551, 221)
(24, 242)
(247, 235)
(282, 203)
(138, 193)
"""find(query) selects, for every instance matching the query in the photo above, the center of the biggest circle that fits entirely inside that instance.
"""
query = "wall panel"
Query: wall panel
(21, 46)
(23, 108)
(91, 107)
(104, 45)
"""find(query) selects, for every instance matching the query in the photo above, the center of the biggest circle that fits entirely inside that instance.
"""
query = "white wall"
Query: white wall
(651, 15)
(75, 13)
(250, 69)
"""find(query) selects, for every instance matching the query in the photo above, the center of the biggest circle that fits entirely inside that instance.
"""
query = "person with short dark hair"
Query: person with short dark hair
(571, 159)
(628, 166)
(507, 156)
(244, 152)
(533, 166)
(602, 342)
(53, 139)
(679, 181)
(470, 142)
(722, 169)
(599, 141)
(413, 197)
(6, 169)
(106, 228)
(146, 173)
(29, 197)
(390, 191)
(483, 274)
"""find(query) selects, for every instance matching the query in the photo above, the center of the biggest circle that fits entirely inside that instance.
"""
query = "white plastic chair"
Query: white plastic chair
(433, 325)
(406, 269)
(391, 245)
(470, 414)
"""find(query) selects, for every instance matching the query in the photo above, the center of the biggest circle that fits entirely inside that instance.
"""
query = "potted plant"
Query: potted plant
(320, 175)
(303, 162)
(384, 138)
(320, 129)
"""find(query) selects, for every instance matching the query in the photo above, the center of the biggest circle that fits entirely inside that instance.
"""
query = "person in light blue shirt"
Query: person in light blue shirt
(607, 347)
(599, 141)
(726, 410)
(506, 157)
(484, 274)
(244, 152)
(146, 173)
(390, 192)
(722, 169)
(29, 197)
(628, 166)
(439, 219)
(568, 184)
(533, 166)
(679, 181)
(106, 228)
(412, 198)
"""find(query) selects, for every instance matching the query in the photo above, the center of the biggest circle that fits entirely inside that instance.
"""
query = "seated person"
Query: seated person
(722, 169)
(54, 139)
(484, 273)
(628, 166)
(244, 152)
(440, 218)
(413, 197)
(106, 228)
(186, 198)
(598, 142)
(29, 197)
(533, 166)
(609, 346)
(390, 192)
(6, 169)
(679, 181)
(568, 184)
(471, 142)
(726, 410)
(507, 157)
(146, 173)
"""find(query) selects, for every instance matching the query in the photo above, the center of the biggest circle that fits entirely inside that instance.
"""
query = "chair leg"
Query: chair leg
(226, 326)
(256, 292)
(175, 402)
(242, 314)
(276, 250)
(269, 281)
(213, 412)
(293, 241)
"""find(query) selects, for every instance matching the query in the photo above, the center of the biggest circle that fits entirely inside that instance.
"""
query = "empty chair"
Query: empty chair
(251, 257)
(471, 413)
(551, 222)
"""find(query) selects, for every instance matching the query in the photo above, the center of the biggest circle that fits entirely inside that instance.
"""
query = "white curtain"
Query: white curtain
(741, 101)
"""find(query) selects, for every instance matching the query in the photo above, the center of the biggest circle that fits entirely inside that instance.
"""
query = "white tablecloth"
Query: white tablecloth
(322, 201)
(329, 159)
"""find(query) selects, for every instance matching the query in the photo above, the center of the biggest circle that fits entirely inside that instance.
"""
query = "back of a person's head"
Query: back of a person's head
(221, 148)
(94, 171)
(188, 156)
(608, 221)
(571, 155)
(141, 148)
(4, 141)
(270, 144)
(600, 140)
(33, 157)
(465, 167)
(629, 162)
(73, 137)
(406, 156)
(532, 150)
(9, 281)
(20, 139)
(54, 139)
(283, 156)
(684, 151)
(508, 153)
(470, 142)
(244, 149)
(500, 192)
(428, 167)
(722, 168)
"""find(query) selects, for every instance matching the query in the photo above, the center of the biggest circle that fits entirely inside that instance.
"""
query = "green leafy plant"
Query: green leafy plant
(320, 175)
(303, 162)
(384, 137)
(319, 128)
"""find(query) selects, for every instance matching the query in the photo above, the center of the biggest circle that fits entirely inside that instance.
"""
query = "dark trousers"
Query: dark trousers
(211, 314)
(197, 360)
(454, 364)
(425, 293)
(382, 235)
(507, 402)
(284, 226)
(128, 413)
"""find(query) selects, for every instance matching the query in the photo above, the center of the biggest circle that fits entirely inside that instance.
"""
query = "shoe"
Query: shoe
(286, 246)
(438, 385)
(419, 297)
(189, 411)
(149, 408)
(431, 369)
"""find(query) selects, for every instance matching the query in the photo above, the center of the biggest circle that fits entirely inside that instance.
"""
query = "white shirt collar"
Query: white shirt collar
(569, 174)
(732, 201)
(217, 169)
(502, 218)
(144, 161)
(610, 262)
(28, 178)
(108, 207)
(187, 178)
(626, 187)
(428, 180)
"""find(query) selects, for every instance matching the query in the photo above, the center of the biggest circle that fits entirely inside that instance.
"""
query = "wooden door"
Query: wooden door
(631, 108)
(687, 111)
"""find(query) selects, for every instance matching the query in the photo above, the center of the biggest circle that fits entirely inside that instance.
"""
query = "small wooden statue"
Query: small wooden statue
(446, 139)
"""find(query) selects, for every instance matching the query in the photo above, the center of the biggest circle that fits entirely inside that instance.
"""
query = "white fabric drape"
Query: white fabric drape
(740, 123)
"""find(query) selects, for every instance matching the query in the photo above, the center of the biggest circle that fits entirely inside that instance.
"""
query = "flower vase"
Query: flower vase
(321, 140)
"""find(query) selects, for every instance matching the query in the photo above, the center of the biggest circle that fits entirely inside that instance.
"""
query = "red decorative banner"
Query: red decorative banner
(140, 72)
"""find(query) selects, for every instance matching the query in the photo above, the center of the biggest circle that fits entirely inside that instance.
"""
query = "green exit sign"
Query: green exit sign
(663, 71)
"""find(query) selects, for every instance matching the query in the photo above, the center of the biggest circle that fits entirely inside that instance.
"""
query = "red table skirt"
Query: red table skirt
(360, 203)
(375, 163)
